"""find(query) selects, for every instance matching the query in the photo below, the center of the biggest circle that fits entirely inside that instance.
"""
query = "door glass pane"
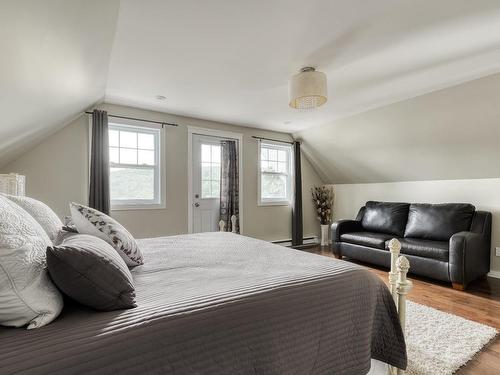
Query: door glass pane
(216, 172)
(215, 154)
(273, 187)
(215, 189)
(128, 139)
(210, 170)
(206, 189)
(205, 153)
(205, 171)
(131, 183)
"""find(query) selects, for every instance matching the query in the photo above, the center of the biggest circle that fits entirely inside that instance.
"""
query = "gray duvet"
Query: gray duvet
(218, 303)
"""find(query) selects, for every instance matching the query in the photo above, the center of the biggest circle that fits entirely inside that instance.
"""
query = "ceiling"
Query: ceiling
(230, 60)
(54, 64)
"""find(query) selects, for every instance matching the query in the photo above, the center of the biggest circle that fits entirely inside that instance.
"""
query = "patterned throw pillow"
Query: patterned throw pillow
(90, 221)
(42, 213)
(27, 295)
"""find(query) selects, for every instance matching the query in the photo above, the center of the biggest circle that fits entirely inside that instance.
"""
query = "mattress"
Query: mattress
(220, 303)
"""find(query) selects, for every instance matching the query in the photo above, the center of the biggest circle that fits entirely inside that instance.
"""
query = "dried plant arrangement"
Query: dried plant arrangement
(322, 197)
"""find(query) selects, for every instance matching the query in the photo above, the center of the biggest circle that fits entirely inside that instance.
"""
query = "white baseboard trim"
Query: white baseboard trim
(495, 274)
(288, 242)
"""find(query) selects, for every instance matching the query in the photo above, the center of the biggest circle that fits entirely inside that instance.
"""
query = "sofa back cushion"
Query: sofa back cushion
(438, 221)
(385, 217)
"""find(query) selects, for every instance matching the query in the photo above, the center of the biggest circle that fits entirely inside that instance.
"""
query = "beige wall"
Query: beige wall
(482, 193)
(448, 134)
(57, 173)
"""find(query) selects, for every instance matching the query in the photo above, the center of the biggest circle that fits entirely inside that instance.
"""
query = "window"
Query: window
(275, 174)
(210, 170)
(134, 156)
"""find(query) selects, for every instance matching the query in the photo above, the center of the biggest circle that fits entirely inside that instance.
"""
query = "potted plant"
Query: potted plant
(322, 197)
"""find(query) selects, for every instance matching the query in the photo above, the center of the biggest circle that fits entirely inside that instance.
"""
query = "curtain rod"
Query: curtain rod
(139, 119)
(273, 140)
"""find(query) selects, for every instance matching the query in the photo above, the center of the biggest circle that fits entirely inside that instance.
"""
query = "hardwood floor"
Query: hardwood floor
(480, 303)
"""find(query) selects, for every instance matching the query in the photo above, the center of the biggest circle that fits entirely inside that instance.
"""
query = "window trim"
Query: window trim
(159, 175)
(274, 201)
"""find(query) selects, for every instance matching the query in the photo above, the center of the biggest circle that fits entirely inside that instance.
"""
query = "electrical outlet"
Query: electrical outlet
(497, 251)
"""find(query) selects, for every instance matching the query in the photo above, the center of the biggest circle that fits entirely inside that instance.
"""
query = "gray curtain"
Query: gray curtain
(99, 163)
(297, 228)
(229, 189)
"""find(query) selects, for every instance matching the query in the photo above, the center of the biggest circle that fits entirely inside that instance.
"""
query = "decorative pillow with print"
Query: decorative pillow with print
(91, 221)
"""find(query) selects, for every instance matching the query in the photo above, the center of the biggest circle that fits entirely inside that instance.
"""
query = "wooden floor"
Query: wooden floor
(480, 302)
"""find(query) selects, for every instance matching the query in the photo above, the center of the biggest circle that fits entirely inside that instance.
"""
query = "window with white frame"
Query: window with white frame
(275, 173)
(134, 156)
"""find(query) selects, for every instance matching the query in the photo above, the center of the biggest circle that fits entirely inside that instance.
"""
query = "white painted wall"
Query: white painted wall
(482, 193)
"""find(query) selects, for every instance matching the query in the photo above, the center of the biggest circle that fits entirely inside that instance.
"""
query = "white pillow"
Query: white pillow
(42, 213)
(91, 221)
(27, 296)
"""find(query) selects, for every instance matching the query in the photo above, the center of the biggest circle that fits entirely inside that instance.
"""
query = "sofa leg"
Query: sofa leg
(458, 286)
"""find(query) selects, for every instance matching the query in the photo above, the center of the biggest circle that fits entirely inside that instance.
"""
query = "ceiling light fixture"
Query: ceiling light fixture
(307, 89)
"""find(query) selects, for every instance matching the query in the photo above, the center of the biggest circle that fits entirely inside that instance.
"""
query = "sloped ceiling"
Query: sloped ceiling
(230, 61)
(53, 65)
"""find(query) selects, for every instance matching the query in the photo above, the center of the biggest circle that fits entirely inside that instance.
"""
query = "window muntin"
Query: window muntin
(275, 173)
(210, 170)
(134, 155)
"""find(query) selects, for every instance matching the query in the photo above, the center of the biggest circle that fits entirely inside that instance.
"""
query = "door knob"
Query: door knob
(197, 204)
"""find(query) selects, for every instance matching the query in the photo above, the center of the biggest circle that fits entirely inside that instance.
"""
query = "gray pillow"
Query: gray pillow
(91, 272)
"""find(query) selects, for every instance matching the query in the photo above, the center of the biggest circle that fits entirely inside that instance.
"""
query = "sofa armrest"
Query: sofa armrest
(469, 256)
(344, 226)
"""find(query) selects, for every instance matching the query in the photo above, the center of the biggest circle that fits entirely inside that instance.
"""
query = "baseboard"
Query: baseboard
(495, 274)
(309, 240)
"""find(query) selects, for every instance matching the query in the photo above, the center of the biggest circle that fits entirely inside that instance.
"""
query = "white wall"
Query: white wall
(57, 173)
(482, 193)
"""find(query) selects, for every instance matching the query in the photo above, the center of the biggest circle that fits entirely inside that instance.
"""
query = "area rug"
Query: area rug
(439, 343)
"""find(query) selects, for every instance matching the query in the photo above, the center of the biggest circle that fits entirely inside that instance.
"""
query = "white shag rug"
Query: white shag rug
(439, 343)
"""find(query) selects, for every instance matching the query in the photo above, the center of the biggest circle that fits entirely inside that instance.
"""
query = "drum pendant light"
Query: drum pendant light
(307, 89)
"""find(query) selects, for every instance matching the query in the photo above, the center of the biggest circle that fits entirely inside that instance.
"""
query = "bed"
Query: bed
(221, 303)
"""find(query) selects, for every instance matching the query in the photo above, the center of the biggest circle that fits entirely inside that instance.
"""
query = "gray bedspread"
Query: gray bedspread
(218, 303)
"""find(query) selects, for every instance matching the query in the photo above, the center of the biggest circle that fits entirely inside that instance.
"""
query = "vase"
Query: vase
(325, 230)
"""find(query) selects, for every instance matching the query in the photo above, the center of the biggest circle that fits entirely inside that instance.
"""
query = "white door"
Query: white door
(206, 183)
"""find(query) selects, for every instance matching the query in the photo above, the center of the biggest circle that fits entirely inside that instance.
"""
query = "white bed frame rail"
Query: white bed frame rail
(399, 286)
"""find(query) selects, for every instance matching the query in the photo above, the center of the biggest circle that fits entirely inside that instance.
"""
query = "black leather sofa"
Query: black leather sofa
(448, 242)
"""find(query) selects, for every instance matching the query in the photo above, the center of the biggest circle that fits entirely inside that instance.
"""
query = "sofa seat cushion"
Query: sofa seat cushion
(438, 250)
(370, 239)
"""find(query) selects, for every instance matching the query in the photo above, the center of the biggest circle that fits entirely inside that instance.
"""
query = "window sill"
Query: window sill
(134, 207)
(274, 203)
